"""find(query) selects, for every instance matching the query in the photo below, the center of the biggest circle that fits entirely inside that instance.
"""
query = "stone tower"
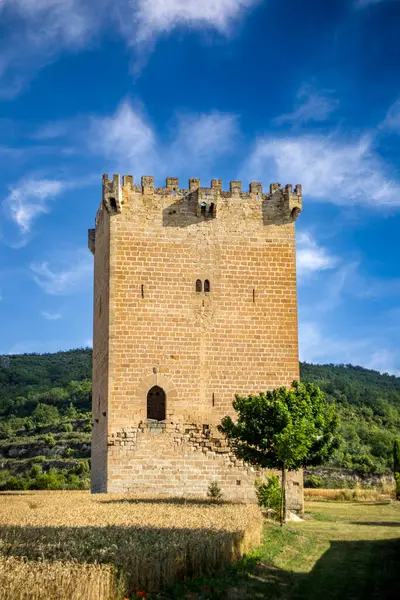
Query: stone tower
(194, 302)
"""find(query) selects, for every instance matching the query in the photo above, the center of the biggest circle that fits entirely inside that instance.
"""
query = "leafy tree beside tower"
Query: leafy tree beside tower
(285, 429)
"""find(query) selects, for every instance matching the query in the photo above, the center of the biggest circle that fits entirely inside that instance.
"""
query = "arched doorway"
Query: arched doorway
(156, 403)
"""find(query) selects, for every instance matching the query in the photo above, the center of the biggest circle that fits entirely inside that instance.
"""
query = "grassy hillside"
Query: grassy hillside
(45, 421)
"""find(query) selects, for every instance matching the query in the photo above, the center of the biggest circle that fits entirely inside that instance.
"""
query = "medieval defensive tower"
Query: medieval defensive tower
(194, 302)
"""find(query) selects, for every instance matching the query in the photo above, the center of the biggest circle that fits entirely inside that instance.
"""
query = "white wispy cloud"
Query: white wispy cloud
(385, 360)
(201, 139)
(317, 343)
(125, 137)
(52, 130)
(51, 316)
(30, 198)
(330, 168)
(392, 120)
(65, 276)
(38, 31)
(128, 141)
(311, 257)
(311, 105)
(365, 3)
(344, 281)
(155, 17)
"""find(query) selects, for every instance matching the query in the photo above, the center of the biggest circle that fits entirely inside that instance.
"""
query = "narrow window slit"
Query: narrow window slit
(254, 295)
(207, 287)
(142, 290)
(199, 286)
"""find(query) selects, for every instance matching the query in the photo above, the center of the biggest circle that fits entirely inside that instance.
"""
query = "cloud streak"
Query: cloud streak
(51, 316)
(38, 31)
(392, 120)
(129, 142)
(311, 257)
(29, 199)
(330, 168)
(66, 276)
(311, 106)
(365, 3)
(318, 346)
(157, 17)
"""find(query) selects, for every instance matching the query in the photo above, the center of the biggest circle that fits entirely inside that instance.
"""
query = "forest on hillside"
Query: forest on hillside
(45, 404)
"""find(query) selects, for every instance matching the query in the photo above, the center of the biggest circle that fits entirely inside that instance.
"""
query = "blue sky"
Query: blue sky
(271, 90)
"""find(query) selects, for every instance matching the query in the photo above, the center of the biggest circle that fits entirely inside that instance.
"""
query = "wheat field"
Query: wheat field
(75, 546)
(351, 495)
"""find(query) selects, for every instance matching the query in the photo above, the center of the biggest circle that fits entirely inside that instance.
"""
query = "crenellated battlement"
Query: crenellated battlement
(207, 198)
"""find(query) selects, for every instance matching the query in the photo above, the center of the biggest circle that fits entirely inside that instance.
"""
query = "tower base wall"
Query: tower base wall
(159, 459)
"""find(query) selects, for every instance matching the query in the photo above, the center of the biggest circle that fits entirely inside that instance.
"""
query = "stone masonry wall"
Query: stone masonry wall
(159, 459)
(101, 243)
(201, 348)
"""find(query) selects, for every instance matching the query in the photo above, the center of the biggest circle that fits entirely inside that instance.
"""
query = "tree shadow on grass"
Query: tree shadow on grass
(362, 570)
(359, 570)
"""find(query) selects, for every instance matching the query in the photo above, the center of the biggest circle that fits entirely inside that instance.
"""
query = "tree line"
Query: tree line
(39, 390)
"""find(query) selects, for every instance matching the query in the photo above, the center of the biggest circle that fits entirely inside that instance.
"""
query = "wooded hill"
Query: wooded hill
(45, 421)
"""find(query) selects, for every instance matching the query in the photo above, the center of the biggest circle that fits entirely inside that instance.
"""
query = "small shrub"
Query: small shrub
(269, 493)
(13, 483)
(214, 491)
(69, 453)
(67, 427)
(49, 481)
(314, 481)
(83, 468)
(40, 459)
(36, 471)
(50, 440)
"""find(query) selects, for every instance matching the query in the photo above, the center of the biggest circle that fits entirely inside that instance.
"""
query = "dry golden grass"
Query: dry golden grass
(356, 494)
(25, 580)
(143, 542)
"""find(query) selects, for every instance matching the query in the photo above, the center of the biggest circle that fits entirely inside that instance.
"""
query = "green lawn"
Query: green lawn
(342, 551)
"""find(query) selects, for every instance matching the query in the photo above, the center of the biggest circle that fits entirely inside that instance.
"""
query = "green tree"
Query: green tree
(50, 440)
(46, 415)
(71, 412)
(284, 429)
